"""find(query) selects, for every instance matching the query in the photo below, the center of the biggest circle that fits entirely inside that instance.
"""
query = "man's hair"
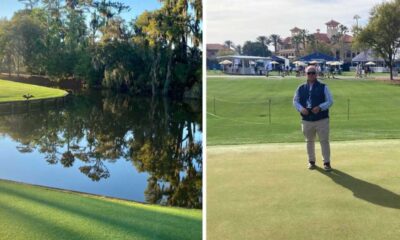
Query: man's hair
(311, 67)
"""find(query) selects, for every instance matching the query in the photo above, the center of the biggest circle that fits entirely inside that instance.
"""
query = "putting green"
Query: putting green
(266, 192)
(13, 91)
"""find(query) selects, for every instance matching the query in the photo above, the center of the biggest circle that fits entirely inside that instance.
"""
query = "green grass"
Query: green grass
(30, 212)
(265, 191)
(241, 113)
(353, 74)
(214, 72)
(13, 91)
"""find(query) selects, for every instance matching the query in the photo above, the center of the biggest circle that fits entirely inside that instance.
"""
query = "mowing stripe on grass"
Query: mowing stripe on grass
(242, 110)
(265, 191)
(31, 212)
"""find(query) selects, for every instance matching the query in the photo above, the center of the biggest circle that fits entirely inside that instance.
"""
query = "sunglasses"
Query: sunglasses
(311, 73)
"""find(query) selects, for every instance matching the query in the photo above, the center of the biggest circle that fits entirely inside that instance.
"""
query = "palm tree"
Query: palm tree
(303, 36)
(312, 41)
(239, 49)
(228, 44)
(356, 17)
(341, 37)
(296, 40)
(29, 4)
(275, 39)
(264, 42)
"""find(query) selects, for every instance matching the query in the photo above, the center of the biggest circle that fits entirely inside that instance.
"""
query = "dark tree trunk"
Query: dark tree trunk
(168, 78)
(390, 63)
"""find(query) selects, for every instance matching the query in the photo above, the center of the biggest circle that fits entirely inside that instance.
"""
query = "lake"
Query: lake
(141, 149)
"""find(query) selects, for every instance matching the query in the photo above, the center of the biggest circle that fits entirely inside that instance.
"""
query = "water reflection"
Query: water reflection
(158, 137)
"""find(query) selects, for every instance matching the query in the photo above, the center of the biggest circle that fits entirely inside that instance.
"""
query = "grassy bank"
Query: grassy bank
(30, 212)
(238, 110)
(265, 191)
(13, 91)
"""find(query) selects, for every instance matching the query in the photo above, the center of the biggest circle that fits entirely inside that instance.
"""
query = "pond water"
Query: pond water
(141, 149)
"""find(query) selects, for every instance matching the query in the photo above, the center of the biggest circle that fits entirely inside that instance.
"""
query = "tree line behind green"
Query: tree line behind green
(156, 53)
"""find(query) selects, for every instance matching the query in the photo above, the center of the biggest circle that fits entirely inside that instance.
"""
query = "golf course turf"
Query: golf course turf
(13, 91)
(265, 191)
(258, 184)
(31, 212)
(238, 110)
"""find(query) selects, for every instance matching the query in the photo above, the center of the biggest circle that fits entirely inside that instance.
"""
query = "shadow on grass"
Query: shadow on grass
(364, 190)
(134, 221)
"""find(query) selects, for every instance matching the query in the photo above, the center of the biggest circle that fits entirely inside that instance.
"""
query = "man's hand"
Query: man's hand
(316, 110)
(304, 111)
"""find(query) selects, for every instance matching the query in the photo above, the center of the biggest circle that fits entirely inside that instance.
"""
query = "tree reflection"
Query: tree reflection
(157, 136)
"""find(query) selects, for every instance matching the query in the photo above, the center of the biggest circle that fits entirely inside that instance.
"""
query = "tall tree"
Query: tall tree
(255, 49)
(6, 46)
(311, 42)
(303, 36)
(382, 34)
(296, 41)
(229, 44)
(28, 41)
(239, 49)
(275, 39)
(342, 36)
(264, 41)
(29, 4)
(356, 17)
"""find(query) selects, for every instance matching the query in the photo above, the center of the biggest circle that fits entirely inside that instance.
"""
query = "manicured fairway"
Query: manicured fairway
(265, 191)
(238, 110)
(12, 91)
(28, 212)
(372, 75)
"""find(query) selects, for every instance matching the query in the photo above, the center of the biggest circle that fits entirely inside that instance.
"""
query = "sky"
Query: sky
(8, 7)
(243, 20)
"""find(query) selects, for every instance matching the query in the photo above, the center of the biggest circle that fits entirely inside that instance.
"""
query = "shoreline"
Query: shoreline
(92, 195)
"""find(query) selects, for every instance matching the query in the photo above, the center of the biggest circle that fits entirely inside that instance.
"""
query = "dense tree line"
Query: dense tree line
(88, 40)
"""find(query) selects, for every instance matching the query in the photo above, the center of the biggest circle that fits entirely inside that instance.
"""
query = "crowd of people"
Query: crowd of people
(363, 71)
(324, 71)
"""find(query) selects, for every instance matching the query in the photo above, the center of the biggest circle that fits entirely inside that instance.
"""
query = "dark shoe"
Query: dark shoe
(327, 167)
(311, 165)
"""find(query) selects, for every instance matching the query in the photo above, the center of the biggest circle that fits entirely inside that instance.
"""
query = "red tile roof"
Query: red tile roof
(332, 23)
(215, 46)
(347, 38)
(323, 37)
(295, 29)
(286, 40)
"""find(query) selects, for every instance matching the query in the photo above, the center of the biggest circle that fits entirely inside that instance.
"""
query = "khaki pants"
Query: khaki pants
(310, 129)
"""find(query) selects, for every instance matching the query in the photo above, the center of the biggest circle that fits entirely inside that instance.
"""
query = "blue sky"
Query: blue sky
(8, 7)
(242, 20)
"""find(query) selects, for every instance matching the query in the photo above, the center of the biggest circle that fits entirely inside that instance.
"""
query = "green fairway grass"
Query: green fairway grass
(13, 91)
(214, 72)
(30, 212)
(265, 191)
(372, 75)
(238, 110)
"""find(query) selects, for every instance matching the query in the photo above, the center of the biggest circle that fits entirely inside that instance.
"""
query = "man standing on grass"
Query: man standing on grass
(313, 99)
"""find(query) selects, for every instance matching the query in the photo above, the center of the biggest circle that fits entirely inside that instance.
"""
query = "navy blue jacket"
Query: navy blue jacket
(317, 97)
